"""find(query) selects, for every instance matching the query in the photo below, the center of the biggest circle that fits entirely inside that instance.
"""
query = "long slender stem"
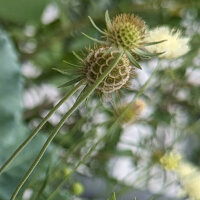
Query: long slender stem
(34, 133)
(79, 101)
(142, 89)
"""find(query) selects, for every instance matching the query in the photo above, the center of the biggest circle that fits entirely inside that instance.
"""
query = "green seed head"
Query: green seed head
(98, 60)
(77, 188)
(127, 31)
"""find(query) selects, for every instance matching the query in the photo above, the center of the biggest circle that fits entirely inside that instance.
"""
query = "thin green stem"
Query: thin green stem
(115, 123)
(42, 123)
(79, 101)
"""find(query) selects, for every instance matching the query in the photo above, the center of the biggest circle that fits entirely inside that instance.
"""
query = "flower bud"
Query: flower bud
(127, 31)
(77, 188)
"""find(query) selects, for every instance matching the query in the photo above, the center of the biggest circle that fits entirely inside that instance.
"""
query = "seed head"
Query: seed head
(127, 31)
(98, 60)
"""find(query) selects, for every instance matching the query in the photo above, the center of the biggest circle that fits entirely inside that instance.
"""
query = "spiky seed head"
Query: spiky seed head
(98, 60)
(127, 31)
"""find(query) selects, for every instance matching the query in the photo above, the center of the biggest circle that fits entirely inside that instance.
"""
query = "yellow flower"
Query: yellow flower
(170, 161)
(190, 180)
(185, 169)
(174, 46)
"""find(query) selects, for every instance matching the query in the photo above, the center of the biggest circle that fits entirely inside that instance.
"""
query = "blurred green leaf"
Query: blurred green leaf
(22, 11)
(13, 131)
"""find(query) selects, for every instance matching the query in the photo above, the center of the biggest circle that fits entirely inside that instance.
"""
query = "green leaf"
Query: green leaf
(64, 72)
(95, 40)
(146, 54)
(22, 11)
(153, 43)
(95, 26)
(71, 64)
(133, 61)
(13, 131)
(68, 83)
(77, 56)
(107, 19)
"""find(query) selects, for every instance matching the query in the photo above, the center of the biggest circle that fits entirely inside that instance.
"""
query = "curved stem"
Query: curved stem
(78, 102)
(117, 121)
(34, 133)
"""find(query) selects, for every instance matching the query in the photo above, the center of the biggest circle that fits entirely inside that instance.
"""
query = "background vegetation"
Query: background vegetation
(35, 37)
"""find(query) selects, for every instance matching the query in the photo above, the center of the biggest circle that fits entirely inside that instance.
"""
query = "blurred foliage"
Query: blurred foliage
(42, 35)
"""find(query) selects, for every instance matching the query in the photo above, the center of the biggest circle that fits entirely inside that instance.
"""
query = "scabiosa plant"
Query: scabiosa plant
(127, 32)
(96, 61)
(106, 68)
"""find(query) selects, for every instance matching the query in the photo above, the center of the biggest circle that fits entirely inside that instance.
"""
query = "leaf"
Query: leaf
(77, 56)
(71, 64)
(68, 83)
(133, 61)
(153, 43)
(22, 11)
(107, 19)
(146, 54)
(94, 39)
(95, 26)
(64, 72)
(13, 131)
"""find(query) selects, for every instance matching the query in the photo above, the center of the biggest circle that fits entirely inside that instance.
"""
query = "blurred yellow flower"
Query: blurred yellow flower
(170, 161)
(174, 46)
(132, 114)
(190, 179)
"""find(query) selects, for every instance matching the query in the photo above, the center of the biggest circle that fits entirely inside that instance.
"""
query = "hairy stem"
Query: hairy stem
(42, 123)
(78, 102)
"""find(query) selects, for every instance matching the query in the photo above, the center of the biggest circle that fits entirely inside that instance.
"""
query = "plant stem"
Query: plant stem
(78, 102)
(42, 123)
(116, 122)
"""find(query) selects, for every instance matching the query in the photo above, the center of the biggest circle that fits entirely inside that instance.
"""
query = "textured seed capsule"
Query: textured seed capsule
(127, 31)
(96, 63)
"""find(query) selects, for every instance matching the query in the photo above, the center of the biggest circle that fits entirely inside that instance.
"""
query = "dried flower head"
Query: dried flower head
(174, 46)
(96, 62)
(170, 161)
(126, 30)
